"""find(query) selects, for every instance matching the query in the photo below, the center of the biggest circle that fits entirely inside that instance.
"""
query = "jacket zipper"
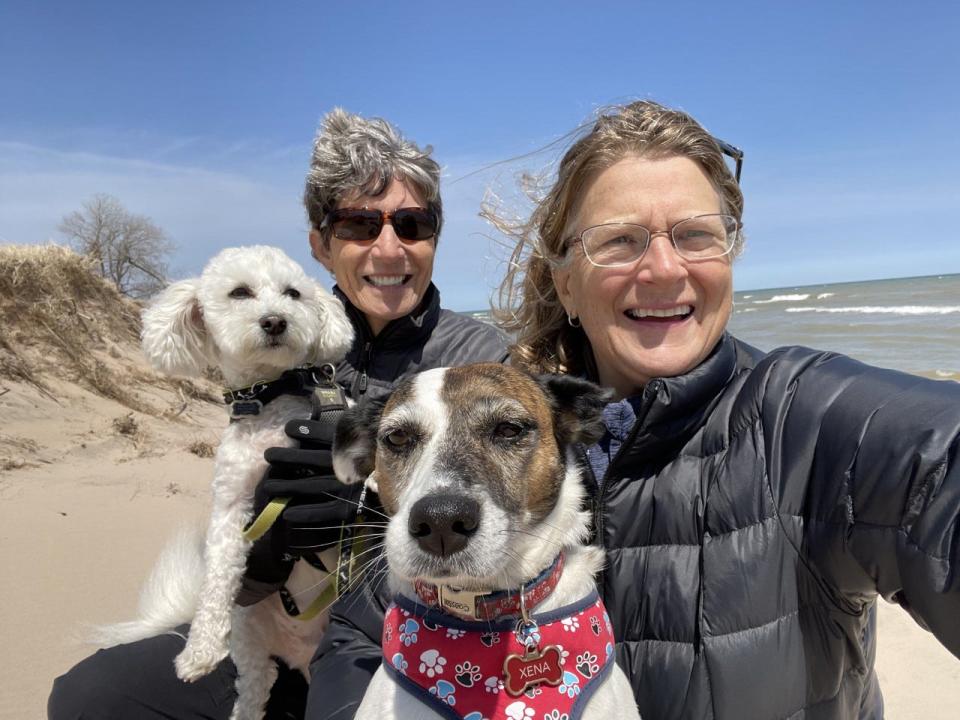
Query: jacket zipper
(364, 364)
(597, 498)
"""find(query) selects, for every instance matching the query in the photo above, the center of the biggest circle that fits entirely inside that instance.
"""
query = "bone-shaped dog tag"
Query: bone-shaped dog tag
(531, 669)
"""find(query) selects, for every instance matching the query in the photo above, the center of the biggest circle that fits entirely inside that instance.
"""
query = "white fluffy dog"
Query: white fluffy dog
(255, 314)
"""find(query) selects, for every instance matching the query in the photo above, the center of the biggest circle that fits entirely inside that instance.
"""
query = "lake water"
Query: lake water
(910, 324)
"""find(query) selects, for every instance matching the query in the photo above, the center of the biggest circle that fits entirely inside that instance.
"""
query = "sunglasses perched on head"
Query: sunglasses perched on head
(734, 153)
(410, 223)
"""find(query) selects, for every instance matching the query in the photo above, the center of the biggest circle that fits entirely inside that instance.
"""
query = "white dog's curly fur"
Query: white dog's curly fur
(224, 318)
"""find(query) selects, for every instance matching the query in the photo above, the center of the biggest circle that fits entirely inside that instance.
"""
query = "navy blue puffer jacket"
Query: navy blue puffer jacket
(758, 507)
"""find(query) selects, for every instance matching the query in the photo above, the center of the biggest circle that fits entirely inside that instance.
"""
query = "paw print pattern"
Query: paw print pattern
(518, 711)
(399, 663)
(595, 626)
(431, 663)
(493, 684)
(445, 692)
(466, 673)
(408, 631)
(388, 633)
(460, 672)
(570, 685)
(533, 691)
(489, 639)
(587, 664)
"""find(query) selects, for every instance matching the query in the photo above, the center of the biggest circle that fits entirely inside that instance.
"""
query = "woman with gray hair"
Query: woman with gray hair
(373, 203)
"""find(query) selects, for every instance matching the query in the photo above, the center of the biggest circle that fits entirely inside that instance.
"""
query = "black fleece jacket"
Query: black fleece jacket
(429, 337)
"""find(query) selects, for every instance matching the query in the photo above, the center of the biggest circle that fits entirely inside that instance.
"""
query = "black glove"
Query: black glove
(319, 504)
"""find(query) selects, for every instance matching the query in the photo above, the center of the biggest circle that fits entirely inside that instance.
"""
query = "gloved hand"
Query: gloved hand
(319, 504)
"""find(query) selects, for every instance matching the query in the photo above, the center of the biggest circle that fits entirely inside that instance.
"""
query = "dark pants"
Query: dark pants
(138, 681)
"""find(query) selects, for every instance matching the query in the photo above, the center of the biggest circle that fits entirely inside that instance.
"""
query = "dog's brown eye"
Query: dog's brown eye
(241, 292)
(292, 292)
(508, 430)
(398, 438)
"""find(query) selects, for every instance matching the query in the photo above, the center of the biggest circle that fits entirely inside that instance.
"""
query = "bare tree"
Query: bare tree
(128, 249)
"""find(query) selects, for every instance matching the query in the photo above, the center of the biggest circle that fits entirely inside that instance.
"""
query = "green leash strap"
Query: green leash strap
(322, 601)
(265, 519)
(332, 591)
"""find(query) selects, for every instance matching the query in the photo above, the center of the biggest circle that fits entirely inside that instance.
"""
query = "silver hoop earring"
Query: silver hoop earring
(573, 321)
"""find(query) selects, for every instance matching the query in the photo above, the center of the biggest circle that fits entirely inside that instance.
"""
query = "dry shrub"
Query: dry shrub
(56, 288)
(202, 448)
(12, 463)
(126, 425)
(195, 391)
(58, 314)
(63, 323)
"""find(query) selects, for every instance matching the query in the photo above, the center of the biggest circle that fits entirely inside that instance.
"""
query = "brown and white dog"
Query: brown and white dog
(485, 545)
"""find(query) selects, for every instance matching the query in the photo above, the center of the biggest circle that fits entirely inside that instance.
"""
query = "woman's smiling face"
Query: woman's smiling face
(661, 315)
(387, 277)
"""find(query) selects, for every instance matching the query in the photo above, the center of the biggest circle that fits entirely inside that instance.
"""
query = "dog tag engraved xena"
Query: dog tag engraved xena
(533, 668)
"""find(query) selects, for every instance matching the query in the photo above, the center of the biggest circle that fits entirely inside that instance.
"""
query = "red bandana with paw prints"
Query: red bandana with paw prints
(457, 666)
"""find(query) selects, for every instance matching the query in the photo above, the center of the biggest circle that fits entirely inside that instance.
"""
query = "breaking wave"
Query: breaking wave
(882, 310)
(782, 298)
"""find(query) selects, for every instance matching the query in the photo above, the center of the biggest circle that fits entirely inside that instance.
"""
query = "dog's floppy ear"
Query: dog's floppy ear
(355, 443)
(577, 408)
(174, 338)
(336, 332)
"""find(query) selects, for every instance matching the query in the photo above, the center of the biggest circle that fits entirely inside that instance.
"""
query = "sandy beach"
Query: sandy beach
(101, 461)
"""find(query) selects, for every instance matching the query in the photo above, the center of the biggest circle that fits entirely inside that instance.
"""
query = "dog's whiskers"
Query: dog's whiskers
(366, 508)
(359, 571)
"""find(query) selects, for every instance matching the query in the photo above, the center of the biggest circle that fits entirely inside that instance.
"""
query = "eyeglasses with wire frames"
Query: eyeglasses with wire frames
(701, 237)
(361, 224)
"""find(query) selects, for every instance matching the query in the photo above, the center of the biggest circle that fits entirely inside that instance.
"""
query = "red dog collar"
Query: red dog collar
(489, 606)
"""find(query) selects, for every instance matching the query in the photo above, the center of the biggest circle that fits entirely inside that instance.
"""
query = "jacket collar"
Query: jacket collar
(401, 332)
(671, 409)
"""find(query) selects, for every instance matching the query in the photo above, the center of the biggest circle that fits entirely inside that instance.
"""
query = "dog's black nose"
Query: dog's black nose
(273, 324)
(442, 524)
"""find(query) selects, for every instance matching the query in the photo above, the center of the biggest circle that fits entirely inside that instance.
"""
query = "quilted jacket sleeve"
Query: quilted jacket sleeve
(871, 459)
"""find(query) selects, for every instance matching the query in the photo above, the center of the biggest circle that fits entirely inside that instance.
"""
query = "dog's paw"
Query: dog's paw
(196, 662)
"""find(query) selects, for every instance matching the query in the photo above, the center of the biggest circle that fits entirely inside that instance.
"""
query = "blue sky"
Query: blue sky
(201, 116)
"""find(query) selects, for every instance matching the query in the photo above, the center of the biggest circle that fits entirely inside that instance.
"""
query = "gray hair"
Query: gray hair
(354, 154)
